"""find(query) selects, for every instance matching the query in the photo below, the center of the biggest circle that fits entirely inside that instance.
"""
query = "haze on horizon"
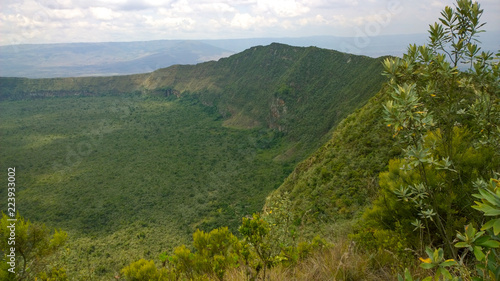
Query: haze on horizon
(64, 21)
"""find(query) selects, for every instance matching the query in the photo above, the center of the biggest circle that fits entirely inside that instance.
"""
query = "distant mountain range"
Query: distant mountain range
(121, 58)
(102, 59)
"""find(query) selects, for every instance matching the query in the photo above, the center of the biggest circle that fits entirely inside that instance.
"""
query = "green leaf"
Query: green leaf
(481, 239)
(438, 255)
(486, 209)
(429, 252)
(407, 276)
(445, 273)
(494, 223)
(478, 253)
(427, 265)
(461, 245)
(470, 231)
(489, 244)
(448, 263)
(489, 224)
(461, 236)
(490, 196)
(497, 273)
(496, 227)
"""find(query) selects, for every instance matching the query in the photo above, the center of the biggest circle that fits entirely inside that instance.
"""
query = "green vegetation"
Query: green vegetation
(127, 174)
(447, 122)
(401, 180)
(300, 92)
(131, 166)
(34, 246)
(445, 127)
(218, 252)
(340, 178)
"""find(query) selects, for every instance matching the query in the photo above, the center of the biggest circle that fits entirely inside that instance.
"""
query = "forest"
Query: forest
(277, 163)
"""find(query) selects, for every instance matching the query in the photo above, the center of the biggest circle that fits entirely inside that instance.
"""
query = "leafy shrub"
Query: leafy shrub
(446, 121)
(34, 246)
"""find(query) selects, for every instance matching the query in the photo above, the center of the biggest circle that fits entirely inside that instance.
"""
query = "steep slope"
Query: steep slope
(340, 178)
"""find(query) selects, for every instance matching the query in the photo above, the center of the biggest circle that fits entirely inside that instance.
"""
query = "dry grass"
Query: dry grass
(340, 262)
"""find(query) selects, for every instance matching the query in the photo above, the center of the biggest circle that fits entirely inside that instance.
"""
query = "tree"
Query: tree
(217, 251)
(445, 112)
(255, 233)
(144, 270)
(34, 245)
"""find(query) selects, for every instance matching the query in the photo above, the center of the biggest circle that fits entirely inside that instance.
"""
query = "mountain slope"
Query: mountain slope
(300, 92)
(131, 165)
(340, 178)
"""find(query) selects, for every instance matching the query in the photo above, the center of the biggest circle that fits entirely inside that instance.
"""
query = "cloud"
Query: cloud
(182, 7)
(66, 14)
(45, 21)
(102, 13)
(217, 7)
(315, 20)
(172, 23)
(282, 8)
(244, 21)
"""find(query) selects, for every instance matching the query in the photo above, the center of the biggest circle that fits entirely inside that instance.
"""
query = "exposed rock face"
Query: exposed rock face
(278, 114)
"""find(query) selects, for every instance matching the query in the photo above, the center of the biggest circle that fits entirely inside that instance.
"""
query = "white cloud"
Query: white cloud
(282, 8)
(182, 6)
(44, 21)
(248, 22)
(244, 21)
(175, 23)
(103, 13)
(218, 7)
(66, 14)
(315, 20)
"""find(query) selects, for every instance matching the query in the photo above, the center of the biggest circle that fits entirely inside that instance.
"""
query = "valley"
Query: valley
(131, 166)
(277, 162)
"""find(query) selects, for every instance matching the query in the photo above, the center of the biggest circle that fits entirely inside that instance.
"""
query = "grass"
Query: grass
(342, 261)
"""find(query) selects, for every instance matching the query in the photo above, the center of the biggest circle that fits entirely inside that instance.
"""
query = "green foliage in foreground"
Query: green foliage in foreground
(217, 251)
(34, 245)
(486, 262)
(445, 131)
(447, 122)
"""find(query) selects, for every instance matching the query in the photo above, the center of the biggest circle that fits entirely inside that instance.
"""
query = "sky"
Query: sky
(62, 21)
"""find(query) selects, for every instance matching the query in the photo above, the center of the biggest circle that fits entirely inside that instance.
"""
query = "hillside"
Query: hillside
(131, 165)
(339, 179)
(301, 92)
